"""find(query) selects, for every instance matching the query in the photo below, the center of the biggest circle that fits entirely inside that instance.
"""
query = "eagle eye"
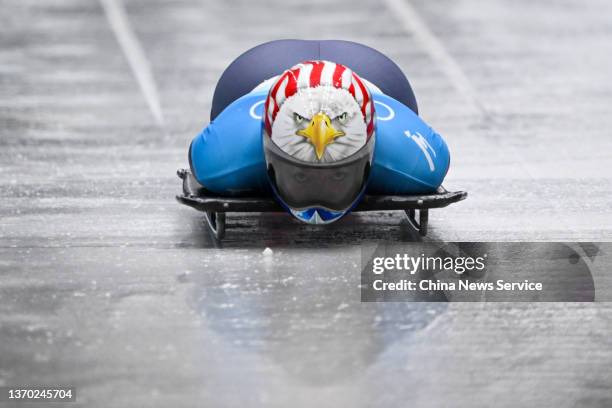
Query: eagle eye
(298, 118)
(343, 118)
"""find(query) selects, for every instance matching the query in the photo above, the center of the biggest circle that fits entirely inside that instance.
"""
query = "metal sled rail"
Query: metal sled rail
(215, 207)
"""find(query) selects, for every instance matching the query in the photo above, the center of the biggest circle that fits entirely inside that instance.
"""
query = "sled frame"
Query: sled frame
(215, 207)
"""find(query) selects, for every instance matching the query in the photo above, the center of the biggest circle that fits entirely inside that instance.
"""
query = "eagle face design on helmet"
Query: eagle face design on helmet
(319, 125)
(322, 124)
(319, 111)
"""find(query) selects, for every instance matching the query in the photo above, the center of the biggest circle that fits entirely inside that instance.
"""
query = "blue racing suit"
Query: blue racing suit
(227, 157)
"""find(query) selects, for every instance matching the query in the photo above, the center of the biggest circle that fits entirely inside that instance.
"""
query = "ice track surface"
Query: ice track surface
(108, 284)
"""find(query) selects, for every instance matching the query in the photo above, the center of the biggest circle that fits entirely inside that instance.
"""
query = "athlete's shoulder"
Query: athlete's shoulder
(248, 108)
(392, 113)
(227, 157)
(410, 157)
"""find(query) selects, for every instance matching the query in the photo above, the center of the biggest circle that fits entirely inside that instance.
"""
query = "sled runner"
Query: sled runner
(215, 207)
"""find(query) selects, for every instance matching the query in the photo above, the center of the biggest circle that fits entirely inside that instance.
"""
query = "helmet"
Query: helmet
(318, 140)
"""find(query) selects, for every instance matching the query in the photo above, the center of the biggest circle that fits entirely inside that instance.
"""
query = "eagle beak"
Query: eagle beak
(320, 133)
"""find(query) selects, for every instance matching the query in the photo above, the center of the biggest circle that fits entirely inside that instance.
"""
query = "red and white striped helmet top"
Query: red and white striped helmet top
(310, 74)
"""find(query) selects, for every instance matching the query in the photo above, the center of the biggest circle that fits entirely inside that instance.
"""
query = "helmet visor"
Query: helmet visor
(333, 186)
